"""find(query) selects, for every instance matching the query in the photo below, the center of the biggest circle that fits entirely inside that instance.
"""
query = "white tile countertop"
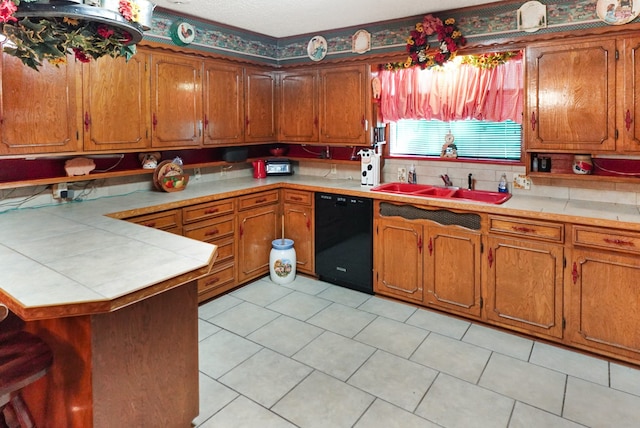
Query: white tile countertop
(76, 255)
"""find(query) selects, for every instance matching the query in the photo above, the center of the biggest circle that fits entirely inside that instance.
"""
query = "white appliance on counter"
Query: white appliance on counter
(369, 167)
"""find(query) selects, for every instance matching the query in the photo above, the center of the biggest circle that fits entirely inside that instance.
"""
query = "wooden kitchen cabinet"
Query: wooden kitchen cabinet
(258, 225)
(524, 268)
(176, 100)
(116, 104)
(169, 221)
(298, 106)
(41, 111)
(223, 103)
(260, 105)
(602, 292)
(214, 222)
(345, 105)
(299, 226)
(628, 108)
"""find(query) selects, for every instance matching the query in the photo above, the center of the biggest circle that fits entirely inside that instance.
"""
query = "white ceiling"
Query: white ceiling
(283, 18)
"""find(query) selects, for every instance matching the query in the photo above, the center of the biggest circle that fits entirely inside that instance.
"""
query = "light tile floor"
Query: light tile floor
(311, 354)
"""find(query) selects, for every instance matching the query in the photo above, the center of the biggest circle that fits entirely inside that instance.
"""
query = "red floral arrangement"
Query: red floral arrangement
(420, 51)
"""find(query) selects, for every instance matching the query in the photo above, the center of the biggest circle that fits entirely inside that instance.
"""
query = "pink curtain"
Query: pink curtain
(455, 92)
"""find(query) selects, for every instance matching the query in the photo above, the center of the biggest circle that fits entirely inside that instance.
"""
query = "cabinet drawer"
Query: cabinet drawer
(217, 278)
(225, 251)
(608, 239)
(209, 210)
(210, 230)
(297, 197)
(527, 228)
(257, 200)
(165, 220)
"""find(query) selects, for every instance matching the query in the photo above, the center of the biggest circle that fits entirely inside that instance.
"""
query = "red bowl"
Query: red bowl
(278, 151)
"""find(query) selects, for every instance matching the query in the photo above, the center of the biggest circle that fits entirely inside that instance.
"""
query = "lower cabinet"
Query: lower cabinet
(299, 226)
(524, 275)
(169, 221)
(258, 226)
(603, 289)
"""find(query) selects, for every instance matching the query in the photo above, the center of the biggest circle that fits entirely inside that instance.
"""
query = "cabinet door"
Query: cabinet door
(260, 111)
(298, 119)
(571, 96)
(452, 270)
(41, 112)
(299, 227)
(223, 103)
(344, 106)
(398, 259)
(176, 101)
(116, 103)
(604, 314)
(257, 228)
(524, 285)
(629, 101)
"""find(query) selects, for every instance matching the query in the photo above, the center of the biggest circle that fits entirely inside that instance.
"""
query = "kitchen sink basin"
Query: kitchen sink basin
(443, 192)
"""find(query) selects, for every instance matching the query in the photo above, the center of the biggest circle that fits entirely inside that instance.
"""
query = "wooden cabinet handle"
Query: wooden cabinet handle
(574, 273)
(154, 121)
(315, 122)
(533, 121)
(261, 200)
(211, 232)
(87, 121)
(150, 224)
(430, 246)
(211, 210)
(523, 229)
(628, 120)
(206, 121)
(296, 198)
(619, 242)
(490, 257)
(308, 223)
(420, 244)
(212, 281)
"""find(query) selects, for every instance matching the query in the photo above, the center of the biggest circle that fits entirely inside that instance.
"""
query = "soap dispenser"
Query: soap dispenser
(412, 179)
(502, 185)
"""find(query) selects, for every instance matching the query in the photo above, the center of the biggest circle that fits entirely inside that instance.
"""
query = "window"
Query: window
(477, 139)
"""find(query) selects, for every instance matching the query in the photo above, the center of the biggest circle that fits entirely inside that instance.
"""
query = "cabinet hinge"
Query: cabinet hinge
(617, 54)
(616, 135)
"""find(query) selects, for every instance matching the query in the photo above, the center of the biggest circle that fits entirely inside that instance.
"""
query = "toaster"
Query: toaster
(279, 167)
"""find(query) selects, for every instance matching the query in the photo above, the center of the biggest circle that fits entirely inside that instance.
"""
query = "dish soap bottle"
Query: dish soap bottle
(412, 179)
(502, 185)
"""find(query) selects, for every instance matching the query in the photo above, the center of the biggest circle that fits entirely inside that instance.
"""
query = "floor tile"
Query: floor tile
(299, 305)
(285, 335)
(388, 309)
(244, 413)
(462, 360)
(322, 401)
(384, 415)
(261, 293)
(502, 342)
(454, 403)
(206, 329)
(265, 377)
(596, 406)
(593, 369)
(394, 379)
(625, 378)
(531, 384)
(213, 397)
(342, 319)
(392, 336)
(244, 318)
(216, 306)
(525, 416)
(344, 296)
(307, 285)
(335, 355)
(438, 323)
(222, 351)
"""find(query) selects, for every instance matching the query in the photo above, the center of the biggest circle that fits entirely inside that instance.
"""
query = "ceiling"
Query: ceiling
(284, 18)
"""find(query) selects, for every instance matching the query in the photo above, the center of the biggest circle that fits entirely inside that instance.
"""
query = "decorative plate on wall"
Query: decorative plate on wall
(317, 48)
(532, 16)
(618, 12)
(361, 42)
(182, 33)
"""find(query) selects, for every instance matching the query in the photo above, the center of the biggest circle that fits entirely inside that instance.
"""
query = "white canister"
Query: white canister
(282, 261)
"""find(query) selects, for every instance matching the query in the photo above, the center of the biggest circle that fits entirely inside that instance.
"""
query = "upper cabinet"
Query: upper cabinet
(260, 105)
(223, 103)
(584, 97)
(176, 100)
(298, 106)
(344, 105)
(116, 112)
(40, 112)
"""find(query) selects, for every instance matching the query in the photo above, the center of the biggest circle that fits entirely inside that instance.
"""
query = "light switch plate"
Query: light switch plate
(521, 181)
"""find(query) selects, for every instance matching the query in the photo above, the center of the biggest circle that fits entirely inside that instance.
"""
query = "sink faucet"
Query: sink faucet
(470, 182)
(447, 180)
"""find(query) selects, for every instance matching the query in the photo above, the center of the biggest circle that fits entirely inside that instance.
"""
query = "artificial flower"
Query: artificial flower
(7, 9)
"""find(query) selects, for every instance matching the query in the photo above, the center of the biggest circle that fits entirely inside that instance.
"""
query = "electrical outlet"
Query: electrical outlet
(223, 171)
(521, 181)
(334, 168)
(402, 175)
(60, 190)
(196, 173)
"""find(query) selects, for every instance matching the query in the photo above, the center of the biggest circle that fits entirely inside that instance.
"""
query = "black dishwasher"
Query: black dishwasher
(344, 240)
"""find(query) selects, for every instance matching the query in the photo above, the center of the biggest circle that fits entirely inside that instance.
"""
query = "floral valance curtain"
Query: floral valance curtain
(456, 91)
